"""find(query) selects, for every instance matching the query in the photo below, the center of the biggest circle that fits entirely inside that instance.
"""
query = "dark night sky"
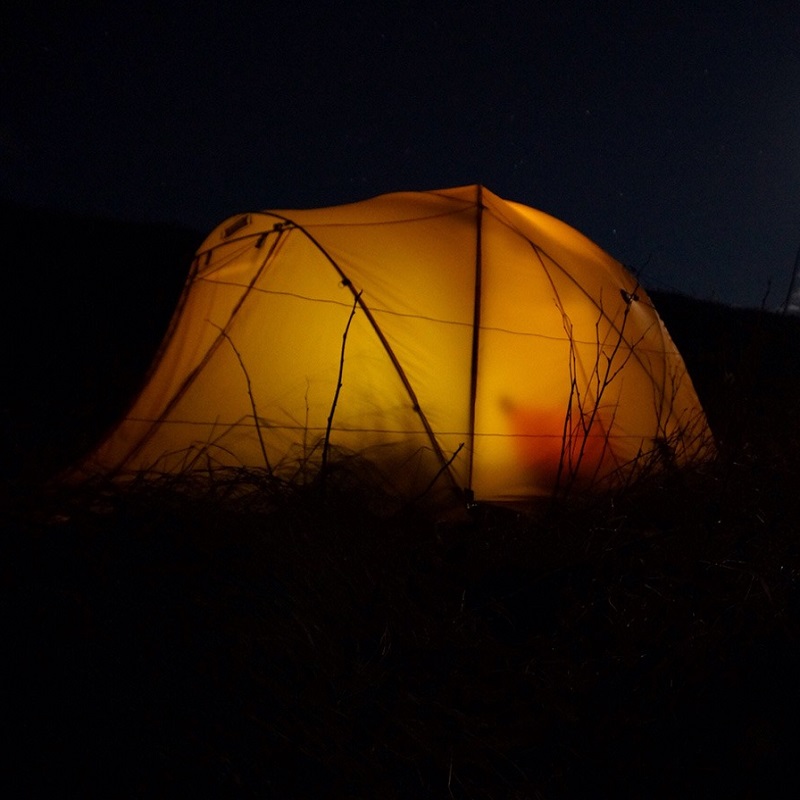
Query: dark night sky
(668, 132)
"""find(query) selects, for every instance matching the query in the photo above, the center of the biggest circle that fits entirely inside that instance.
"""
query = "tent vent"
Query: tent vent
(236, 226)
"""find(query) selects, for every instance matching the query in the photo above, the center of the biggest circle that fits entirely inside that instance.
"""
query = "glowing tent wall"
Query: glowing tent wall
(487, 343)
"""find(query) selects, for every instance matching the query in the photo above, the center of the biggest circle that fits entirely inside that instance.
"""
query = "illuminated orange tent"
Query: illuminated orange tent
(448, 339)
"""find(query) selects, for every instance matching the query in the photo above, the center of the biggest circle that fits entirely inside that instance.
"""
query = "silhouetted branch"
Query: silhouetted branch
(250, 396)
(326, 445)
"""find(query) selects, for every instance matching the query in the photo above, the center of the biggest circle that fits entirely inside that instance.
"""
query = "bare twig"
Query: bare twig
(327, 441)
(442, 469)
(583, 408)
(250, 396)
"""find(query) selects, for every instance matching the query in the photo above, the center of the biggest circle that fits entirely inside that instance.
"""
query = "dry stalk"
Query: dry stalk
(327, 440)
(605, 370)
(256, 419)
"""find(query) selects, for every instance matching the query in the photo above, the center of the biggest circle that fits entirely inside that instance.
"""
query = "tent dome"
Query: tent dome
(445, 337)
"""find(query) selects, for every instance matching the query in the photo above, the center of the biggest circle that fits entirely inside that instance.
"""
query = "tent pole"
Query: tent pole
(476, 323)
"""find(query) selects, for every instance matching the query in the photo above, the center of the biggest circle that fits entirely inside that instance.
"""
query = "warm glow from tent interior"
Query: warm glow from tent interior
(482, 331)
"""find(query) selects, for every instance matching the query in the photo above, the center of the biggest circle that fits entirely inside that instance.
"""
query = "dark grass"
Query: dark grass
(166, 643)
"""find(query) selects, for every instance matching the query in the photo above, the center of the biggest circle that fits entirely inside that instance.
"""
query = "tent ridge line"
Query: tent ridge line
(356, 224)
(424, 317)
(245, 423)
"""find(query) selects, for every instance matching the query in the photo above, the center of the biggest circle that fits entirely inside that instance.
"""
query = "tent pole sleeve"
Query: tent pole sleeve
(476, 326)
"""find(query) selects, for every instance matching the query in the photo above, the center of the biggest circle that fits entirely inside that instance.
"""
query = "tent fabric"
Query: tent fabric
(444, 337)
